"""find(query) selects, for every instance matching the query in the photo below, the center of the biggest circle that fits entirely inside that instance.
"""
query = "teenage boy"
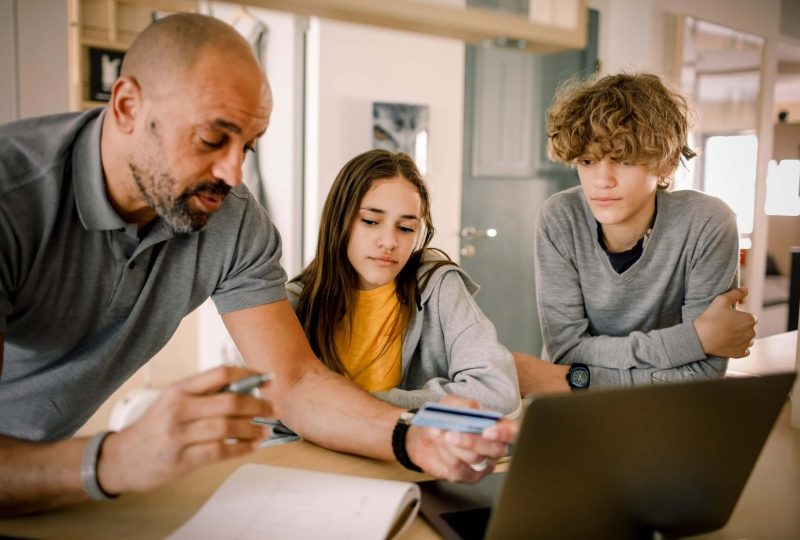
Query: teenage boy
(630, 277)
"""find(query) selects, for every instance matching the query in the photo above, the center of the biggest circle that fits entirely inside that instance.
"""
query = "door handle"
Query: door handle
(469, 233)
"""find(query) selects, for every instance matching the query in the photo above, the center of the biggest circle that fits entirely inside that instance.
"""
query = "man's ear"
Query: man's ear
(125, 104)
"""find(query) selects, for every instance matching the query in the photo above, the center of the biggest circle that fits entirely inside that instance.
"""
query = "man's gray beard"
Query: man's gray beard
(174, 210)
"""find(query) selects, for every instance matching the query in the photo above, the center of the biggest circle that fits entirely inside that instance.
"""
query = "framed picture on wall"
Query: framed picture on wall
(401, 127)
(104, 68)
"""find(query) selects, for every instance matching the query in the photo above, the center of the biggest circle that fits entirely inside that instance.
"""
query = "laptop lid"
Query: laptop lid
(625, 463)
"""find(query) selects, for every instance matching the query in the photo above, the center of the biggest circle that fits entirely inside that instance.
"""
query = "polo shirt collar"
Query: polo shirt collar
(94, 208)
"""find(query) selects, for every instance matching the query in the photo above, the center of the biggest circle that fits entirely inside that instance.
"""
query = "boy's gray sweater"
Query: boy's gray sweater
(626, 325)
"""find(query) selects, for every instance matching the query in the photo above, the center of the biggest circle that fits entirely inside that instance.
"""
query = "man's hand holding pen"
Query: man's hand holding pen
(199, 420)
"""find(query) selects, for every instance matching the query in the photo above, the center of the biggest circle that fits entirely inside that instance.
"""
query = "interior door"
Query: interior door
(507, 176)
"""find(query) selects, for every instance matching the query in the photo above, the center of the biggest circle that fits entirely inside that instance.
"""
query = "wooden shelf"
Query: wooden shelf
(89, 104)
(111, 25)
(164, 5)
(469, 24)
(105, 44)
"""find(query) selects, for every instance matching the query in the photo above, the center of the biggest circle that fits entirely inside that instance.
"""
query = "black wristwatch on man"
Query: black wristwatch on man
(578, 376)
(399, 440)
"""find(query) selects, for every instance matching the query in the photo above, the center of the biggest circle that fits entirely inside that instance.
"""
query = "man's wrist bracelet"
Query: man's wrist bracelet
(91, 455)
(399, 440)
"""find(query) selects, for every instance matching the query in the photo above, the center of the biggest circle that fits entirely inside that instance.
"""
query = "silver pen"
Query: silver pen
(248, 384)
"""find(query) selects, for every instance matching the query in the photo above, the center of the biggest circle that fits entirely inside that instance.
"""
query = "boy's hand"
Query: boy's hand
(725, 331)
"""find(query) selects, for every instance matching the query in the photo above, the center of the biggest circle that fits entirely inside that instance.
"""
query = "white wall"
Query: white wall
(353, 66)
(760, 17)
(8, 61)
(634, 33)
(631, 35)
(33, 58)
(43, 63)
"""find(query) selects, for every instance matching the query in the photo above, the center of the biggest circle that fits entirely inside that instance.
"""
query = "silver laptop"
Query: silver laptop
(656, 461)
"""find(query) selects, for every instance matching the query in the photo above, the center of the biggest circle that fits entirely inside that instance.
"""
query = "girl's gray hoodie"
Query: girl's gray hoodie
(450, 347)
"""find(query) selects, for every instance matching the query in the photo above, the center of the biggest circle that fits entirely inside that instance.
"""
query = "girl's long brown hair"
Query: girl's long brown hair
(330, 282)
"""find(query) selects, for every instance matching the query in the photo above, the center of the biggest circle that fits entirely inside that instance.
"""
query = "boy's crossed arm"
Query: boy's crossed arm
(723, 330)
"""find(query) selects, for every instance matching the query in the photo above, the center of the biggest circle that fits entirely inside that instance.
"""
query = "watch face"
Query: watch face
(579, 377)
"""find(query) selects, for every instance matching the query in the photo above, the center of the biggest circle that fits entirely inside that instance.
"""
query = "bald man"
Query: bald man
(114, 225)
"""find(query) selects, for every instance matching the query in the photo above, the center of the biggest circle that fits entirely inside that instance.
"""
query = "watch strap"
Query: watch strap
(399, 440)
(91, 455)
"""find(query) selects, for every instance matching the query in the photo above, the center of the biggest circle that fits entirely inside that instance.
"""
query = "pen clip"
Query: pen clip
(247, 385)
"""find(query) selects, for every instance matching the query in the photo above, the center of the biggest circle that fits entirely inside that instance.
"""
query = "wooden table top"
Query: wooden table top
(773, 354)
(768, 507)
(158, 513)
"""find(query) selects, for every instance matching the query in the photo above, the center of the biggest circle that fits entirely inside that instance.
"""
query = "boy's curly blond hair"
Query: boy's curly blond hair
(633, 118)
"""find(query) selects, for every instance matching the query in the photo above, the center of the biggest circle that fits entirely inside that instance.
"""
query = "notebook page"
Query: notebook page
(260, 501)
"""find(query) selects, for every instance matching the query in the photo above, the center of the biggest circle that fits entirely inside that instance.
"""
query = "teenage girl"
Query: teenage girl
(379, 306)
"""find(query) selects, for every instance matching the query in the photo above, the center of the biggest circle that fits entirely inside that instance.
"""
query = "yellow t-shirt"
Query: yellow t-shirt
(372, 321)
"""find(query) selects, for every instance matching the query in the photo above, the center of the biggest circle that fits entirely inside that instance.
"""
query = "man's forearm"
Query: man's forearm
(328, 410)
(322, 406)
(39, 476)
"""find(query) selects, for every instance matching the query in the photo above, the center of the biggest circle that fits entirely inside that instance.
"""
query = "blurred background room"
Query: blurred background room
(464, 85)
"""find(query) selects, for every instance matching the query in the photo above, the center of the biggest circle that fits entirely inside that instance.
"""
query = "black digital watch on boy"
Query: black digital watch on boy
(578, 376)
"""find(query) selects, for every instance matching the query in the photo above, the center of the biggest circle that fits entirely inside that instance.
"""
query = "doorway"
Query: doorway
(507, 176)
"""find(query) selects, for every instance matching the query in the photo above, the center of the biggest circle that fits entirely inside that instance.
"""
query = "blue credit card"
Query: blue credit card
(463, 419)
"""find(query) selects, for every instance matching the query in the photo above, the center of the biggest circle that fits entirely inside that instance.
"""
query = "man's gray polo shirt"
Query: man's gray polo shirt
(83, 301)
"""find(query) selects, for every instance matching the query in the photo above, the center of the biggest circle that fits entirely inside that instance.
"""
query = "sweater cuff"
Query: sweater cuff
(683, 345)
(608, 377)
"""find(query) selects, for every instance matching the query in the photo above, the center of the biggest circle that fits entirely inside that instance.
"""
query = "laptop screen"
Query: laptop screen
(627, 463)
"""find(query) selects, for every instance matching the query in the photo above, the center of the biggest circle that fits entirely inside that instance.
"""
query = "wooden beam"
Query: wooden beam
(468, 24)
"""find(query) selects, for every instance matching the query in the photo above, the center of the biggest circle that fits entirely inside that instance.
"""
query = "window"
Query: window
(730, 174)
(783, 188)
